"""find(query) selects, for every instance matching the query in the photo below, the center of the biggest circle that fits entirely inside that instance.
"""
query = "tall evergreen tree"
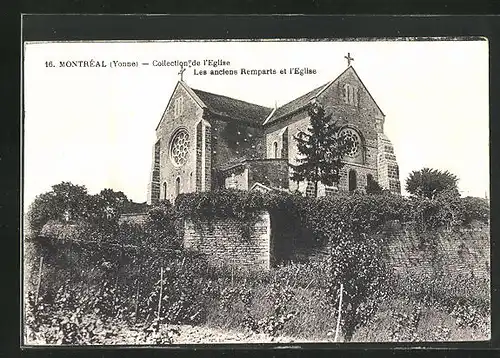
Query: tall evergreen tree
(322, 149)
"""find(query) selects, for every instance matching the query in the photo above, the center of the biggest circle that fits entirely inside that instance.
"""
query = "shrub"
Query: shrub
(475, 209)
(430, 182)
(162, 226)
(184, 291)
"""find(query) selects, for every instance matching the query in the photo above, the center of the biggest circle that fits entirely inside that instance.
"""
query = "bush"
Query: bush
(162, 226)
(88, 286)
(430, 182)
(475, 209)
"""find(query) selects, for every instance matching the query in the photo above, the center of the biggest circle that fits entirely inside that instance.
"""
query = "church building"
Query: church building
(206, 141)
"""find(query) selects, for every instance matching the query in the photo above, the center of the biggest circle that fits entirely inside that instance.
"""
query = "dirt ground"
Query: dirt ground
(125, 334)
(186, 334)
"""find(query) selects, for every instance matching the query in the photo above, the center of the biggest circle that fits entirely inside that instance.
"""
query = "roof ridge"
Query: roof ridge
(314, 93)
(305, 94)
(231, 98)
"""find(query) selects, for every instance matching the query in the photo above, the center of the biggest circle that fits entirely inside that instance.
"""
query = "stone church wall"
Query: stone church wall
(295, 124)
(362, 115)
(187, 120)
(388, 168)
(362, 173)
(270, 172)
(237, 178)
(233, 141)
(225, 244)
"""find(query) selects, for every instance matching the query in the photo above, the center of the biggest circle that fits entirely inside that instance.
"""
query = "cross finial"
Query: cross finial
(349, 59)
(181, 72)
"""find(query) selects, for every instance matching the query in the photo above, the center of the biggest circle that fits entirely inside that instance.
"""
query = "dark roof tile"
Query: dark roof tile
(295, 104)
(234, 108)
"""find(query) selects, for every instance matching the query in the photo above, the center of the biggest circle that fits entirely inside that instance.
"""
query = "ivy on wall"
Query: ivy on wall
(325, 216)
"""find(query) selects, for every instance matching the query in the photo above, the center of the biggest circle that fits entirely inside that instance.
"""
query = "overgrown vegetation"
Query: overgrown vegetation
(357, 214)
(67, 202)
(138, 275)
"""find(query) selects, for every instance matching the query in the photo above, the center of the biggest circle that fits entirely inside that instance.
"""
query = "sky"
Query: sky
(96, 126)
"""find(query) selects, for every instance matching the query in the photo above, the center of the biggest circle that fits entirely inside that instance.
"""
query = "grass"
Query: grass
(434, 325)
(314, 316)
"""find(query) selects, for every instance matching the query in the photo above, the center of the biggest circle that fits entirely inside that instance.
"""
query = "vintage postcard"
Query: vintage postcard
(267, 191)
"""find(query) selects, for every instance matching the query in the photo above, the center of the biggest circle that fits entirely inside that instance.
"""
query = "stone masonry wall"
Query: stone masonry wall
(224, 243)
(237, 178)
(232, 141)
(271, 172)
(388, 169)
(462, 253)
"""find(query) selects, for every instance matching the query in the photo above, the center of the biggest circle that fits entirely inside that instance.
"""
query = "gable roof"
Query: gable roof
(294, 105)
(304, 100)
(188, 90)
(233, 108)
(253, 113)
(260, 187)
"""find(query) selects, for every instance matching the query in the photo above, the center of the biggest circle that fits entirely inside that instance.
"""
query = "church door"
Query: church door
(352, 180)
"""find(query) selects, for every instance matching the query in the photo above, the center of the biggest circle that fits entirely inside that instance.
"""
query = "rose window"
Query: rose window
(180, 147)
(354, 141)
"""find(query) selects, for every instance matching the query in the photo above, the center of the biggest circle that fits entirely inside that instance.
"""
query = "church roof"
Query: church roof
(233, 108)
(302, 101)
(296, 104)
(256, 114)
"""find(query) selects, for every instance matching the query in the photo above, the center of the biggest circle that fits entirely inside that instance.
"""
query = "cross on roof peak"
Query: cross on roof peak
(349, 59)
(181, 72)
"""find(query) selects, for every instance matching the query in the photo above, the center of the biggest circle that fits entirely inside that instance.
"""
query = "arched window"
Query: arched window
(369, 179)
(164, 190)
(284, 144)
(177, 186)
(350, 94)
(276, 149)
(352, 180)
(347, 92)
